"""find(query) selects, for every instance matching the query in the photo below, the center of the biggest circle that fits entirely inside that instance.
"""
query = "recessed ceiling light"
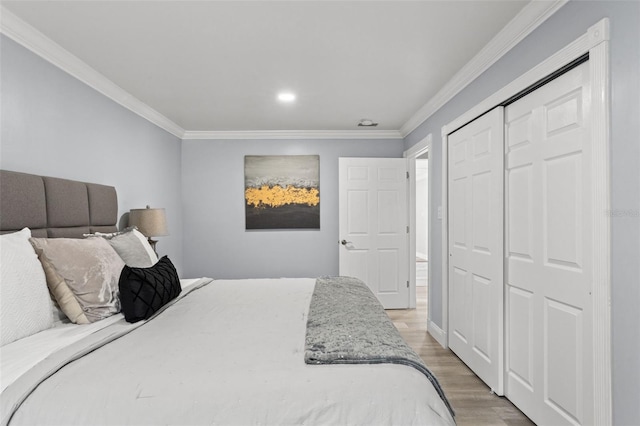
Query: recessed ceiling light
(286, 97)
(365, 122)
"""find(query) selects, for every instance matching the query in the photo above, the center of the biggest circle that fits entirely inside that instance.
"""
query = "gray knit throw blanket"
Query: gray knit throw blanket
(347, 325)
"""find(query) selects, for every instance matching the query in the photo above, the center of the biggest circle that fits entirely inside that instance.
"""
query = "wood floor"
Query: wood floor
(471, 399)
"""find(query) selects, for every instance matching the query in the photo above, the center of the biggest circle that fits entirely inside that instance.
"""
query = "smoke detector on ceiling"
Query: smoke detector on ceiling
(365, 122)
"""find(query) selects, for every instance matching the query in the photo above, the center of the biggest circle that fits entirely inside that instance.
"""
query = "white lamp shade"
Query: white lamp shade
(150, 222)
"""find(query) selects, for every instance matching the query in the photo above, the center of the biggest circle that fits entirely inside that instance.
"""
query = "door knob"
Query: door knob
(345, 242)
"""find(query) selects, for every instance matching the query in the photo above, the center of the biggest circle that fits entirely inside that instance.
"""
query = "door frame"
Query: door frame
(595, 43)
(412, 154)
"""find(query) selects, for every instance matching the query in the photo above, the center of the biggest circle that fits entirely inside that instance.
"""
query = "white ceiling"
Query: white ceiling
(218, 65)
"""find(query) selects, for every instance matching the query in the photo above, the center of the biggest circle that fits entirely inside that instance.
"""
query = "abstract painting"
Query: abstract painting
(282, 191)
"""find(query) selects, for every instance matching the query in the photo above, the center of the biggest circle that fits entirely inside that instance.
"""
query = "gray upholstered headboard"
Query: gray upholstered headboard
(54, 207)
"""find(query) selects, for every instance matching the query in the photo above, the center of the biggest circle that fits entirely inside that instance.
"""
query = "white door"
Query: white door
(476, 206)
(373, 218)
(549, 362)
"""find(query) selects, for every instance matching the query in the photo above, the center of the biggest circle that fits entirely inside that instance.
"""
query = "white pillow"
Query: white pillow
(131, 246)
(25, 304)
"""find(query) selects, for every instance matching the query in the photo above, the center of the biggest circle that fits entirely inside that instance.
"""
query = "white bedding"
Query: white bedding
(18, 357)
(240, 361)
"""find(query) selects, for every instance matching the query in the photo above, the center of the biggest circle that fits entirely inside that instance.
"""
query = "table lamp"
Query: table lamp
(150, 222)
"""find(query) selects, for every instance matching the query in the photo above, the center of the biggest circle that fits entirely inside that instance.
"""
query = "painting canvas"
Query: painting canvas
(282, 191)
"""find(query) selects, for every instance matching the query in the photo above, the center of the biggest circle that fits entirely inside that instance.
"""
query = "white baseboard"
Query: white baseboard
(437, 333)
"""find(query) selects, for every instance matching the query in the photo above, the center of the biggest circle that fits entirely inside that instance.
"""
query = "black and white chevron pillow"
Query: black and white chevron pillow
(143, 291)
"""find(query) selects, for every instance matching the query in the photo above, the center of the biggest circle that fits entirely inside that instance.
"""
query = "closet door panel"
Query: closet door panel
(548, 241)
(476, 189)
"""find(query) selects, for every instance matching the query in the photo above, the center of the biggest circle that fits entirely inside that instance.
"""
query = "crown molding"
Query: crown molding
(293, 134)
(525, 22)
(32, 39)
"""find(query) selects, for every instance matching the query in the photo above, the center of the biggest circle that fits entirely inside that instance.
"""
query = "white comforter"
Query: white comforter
(231, 352)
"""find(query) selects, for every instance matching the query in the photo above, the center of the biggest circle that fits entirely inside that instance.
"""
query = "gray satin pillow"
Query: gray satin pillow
(131, 246)
(82, 276)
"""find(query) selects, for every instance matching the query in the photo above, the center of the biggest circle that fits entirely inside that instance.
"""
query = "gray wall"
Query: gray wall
(54, 125)
(216, 243)
(562, 28)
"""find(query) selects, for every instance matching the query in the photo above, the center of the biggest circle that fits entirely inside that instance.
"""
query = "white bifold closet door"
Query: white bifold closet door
(476, 243)
(548, 311)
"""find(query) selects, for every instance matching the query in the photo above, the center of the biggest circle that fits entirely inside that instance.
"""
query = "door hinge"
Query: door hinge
(407, 229)
(407, 175)
(407, 284)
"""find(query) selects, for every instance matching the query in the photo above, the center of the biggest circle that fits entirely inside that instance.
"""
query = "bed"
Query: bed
(252, 351)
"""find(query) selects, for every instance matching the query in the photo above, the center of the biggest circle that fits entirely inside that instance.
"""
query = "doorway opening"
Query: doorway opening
(422, 230)
(419, 219)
